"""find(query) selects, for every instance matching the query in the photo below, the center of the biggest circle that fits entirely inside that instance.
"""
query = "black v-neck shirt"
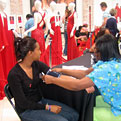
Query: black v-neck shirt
(26, 91)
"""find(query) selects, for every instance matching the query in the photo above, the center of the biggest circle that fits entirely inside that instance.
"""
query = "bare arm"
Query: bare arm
(75, 73)
(104, 22)
(69, 83)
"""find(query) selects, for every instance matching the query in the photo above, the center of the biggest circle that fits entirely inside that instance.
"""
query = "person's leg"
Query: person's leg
(41, 115)
(65, 48)
(105, 114)
(67, 112)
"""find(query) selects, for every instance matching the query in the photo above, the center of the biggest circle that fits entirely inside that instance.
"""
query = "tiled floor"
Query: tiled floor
(7, 112)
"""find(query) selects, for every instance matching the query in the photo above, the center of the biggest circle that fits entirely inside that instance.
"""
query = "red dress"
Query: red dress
(72, 49)
(56, 43)
(38, 34)
(56, 46)
(7, 56)
(118, 12)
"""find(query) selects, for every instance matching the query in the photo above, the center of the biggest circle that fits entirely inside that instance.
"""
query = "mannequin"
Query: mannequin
(37, 30)
(56, 37)
(7, 58)
(72, 50)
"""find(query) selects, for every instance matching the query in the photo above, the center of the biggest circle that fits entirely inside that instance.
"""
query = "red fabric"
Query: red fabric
(56, 46)
(117, 9)
(120, 12)
(7, 56)
(72, 49)
(56, 43)
(38, 34)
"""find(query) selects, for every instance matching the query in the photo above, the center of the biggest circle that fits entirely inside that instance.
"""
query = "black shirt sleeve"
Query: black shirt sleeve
(42, 67)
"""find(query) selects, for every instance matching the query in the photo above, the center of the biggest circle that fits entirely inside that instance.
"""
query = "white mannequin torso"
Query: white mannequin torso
(71, 7)
(37, 17)
(2, 7)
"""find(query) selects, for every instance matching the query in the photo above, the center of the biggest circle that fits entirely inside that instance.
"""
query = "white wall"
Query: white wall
(79, 11)
(7, 9)
(26, 9)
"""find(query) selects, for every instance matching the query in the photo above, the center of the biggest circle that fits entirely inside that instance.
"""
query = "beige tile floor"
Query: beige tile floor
(7, 112)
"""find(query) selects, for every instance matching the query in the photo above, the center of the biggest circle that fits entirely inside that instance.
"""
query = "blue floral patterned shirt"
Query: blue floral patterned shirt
(107, 78)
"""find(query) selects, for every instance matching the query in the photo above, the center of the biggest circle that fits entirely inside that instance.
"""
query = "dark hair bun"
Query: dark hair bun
(23, 46)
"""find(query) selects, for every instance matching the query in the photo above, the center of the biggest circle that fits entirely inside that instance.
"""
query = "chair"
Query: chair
(102, 111)
(9, 96)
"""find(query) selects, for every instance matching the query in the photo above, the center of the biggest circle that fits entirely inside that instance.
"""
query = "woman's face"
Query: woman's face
(36, 53)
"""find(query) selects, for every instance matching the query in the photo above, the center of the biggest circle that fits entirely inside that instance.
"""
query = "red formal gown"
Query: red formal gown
(56, 46)
(7, 56)
(56, 42)
(118, 11)
(38, 34)
(72, 49)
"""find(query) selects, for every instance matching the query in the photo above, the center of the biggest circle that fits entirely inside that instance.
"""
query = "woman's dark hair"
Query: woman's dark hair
(107, 46)
(23, 46)
(100, 33)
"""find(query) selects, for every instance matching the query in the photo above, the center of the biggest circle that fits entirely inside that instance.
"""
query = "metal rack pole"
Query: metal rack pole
(50, 54)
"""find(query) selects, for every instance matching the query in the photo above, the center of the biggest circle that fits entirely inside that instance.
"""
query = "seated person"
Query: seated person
(99, 34)
(105, 74)
(25, 83)
(81, 36)
(82, 33)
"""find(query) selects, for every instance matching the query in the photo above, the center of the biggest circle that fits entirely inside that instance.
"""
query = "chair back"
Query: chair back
(9, 96)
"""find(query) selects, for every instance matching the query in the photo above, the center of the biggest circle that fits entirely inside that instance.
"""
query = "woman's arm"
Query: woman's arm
(69, 83)
(74, 73)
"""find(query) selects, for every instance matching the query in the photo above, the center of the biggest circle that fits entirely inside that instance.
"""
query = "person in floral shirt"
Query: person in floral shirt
(105, 74)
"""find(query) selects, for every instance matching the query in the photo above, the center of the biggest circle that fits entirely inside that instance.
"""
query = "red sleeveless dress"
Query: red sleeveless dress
(72, 49)
(56, 46)
(56, 42)
(38, 34)
(7, 56)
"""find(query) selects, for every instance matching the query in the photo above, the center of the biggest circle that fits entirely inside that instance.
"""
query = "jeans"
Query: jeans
(66, 114)
(66, 38)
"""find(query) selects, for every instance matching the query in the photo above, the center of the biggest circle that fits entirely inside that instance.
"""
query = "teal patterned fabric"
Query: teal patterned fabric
(107, 78)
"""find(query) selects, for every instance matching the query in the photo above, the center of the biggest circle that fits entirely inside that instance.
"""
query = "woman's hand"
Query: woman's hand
(57, 70)
(47, 79)
(90, 89)
(55, 109)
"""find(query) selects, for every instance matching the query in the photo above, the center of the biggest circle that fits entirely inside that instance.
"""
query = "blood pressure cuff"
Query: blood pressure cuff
(52, 73)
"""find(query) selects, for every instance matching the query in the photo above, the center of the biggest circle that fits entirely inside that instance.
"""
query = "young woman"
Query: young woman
(25, 81)
(105, 74)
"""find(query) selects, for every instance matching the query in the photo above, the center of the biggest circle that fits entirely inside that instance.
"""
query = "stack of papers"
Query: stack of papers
(75, 67)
